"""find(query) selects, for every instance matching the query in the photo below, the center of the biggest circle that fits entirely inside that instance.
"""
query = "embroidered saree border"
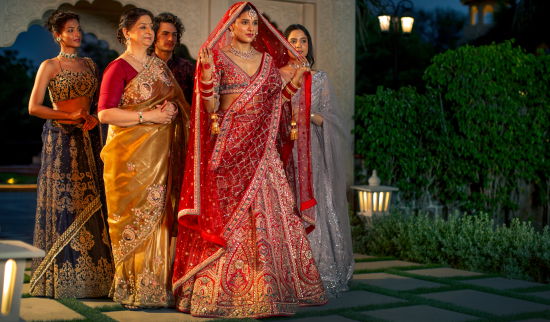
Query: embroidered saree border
(64, 239)
(177, 284)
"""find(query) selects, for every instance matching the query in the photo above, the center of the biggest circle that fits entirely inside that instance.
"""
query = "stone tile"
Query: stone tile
(383, 264)
(418, 313)
(361, 256)
(160, 315)
(393, 282)
(352, 299)
(33, 308)
(485, 302)
(26, 288)
(95, 303)
(328, 318)
(442, 272)
(544, 295)
(500, 283)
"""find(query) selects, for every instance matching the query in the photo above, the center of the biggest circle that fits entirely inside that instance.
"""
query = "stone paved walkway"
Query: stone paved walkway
(383, 289)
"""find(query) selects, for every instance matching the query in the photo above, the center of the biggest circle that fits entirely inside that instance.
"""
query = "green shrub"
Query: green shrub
(464, 241)
(476, 139)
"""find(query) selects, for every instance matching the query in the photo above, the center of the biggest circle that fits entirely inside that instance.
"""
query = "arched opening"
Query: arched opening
(488, 14)
(20, 61)
(473, 15)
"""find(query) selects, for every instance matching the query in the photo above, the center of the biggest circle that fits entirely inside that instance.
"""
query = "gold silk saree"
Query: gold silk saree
(142, 175)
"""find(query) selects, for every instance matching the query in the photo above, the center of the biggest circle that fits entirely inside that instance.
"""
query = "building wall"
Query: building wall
(331, 23)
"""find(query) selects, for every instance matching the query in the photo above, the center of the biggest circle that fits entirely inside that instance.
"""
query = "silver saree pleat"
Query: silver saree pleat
(331, 238)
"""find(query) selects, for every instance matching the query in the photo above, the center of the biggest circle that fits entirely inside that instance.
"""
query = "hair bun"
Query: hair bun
(58, 18)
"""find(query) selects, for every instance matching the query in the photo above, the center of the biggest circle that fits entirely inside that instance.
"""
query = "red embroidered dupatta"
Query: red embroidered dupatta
(200, 207)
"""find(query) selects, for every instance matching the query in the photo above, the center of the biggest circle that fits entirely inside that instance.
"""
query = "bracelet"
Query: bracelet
(207, 94)
(140, 114)
(286, 94)
(295, 86)
(207, 82)
(205, 87)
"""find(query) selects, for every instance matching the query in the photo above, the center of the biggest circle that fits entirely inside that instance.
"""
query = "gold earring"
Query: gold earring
(58, 39)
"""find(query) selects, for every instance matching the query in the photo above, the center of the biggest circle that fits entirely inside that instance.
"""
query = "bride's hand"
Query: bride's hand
(207, 61)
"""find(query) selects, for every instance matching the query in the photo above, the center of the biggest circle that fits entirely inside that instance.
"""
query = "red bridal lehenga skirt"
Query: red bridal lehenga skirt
(267, 267)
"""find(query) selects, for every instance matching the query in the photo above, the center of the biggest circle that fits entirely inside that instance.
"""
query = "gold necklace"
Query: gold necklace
(144, 64)
(243, 54)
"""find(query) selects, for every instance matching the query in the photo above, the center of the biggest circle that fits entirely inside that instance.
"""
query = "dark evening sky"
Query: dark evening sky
(37, 44)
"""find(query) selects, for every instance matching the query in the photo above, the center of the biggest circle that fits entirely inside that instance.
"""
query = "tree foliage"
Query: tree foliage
(477, 138)
(19, 132)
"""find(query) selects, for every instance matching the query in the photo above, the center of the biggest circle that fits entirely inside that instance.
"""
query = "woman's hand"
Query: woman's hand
(298, 75)
(164, 113)
(207, 61)
(90, 122)
(77, 115)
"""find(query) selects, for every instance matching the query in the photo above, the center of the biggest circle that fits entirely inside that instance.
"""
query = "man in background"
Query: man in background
(168, 31)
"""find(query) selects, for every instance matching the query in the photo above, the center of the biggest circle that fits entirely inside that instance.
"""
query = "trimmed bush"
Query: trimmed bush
(471, 242)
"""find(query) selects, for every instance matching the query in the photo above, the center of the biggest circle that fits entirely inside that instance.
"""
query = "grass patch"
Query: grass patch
(533, 289)
(375, 259)
(110, 308)
(90, 313)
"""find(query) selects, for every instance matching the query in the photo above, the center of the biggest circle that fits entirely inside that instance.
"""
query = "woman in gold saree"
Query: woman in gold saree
(146, 110)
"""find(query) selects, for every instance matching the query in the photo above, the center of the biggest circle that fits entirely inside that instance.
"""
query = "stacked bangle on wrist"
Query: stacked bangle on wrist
(140, 120)
(289, 90)
(207, 89)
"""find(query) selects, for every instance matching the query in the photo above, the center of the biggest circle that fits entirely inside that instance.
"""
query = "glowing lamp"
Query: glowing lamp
(374, 198)
(384, 22)
(13, 255)
(407, 24)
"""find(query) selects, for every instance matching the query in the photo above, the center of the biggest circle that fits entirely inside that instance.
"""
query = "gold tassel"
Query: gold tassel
(215, 127)
(293, 131)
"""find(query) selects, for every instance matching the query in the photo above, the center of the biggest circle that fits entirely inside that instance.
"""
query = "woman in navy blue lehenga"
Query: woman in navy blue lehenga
(71, 220)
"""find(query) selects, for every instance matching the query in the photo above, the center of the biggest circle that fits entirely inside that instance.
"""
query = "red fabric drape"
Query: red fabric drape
(200, 208)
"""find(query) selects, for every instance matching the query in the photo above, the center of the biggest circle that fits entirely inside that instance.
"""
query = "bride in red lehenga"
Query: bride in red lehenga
(242, 249)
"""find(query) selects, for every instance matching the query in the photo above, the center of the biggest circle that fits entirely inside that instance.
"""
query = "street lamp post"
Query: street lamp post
(396, 20)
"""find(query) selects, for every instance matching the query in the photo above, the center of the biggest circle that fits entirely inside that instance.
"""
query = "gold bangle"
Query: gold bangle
(297, 87)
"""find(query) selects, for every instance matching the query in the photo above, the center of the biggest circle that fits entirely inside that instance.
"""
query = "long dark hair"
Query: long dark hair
(309, 55)
(128, 19)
